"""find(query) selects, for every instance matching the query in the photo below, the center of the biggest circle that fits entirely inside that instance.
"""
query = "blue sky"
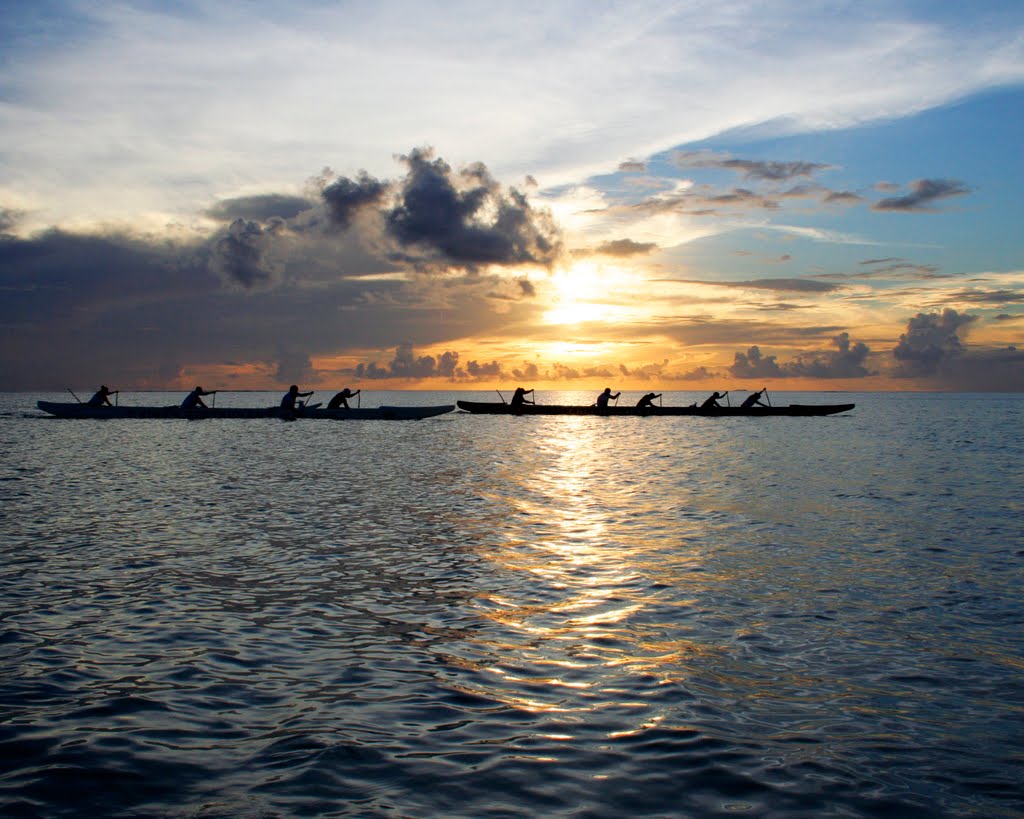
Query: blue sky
(469, 194)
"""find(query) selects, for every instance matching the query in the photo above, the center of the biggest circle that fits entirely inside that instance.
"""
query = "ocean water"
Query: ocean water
(485, 616)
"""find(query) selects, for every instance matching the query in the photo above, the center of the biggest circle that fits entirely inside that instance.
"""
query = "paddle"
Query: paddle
(502, 397)
(765, 391)
(79, 400)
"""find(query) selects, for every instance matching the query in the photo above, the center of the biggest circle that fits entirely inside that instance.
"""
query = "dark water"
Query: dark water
(472, 616)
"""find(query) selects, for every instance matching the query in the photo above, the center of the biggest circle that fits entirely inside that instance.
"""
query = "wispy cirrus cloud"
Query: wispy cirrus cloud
(170, 107)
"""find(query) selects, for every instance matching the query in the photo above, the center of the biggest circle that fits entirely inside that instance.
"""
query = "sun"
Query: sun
(584, 293)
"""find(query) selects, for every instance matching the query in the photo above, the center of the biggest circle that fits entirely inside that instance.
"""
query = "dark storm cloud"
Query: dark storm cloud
(259, 208)
(78, 308)
(435, 217)
(238, 255)
(624, 248)
(276, 291)
(930, 342)
(293, 365)
(345, 197)
(9, 217)
(467, 219)
(923, 193)
(750, 168)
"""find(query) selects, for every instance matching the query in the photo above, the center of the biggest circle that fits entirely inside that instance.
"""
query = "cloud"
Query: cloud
(625, 247)
(931, 341)
(842, 198)
(9, 217)
(126, 308)
(632, 166)
(346, 197)
(485, 371)
(764, 170)
(993, 297)
(593, 97)
(435, 216)
(406, 364)
(468, 219)
(779, 285)
(293, 365)
(259, 208)
(847, 360)
(752, 364)
(923, 193)
(660, 372)
(238, 255)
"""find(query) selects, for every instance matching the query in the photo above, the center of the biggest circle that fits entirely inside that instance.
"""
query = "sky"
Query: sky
(474, 195)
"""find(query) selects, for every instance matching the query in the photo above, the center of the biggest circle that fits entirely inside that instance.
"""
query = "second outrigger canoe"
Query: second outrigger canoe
(385, 413)
(496, 408)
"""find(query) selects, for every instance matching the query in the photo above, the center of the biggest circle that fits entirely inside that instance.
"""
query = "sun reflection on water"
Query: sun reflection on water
(588, 623)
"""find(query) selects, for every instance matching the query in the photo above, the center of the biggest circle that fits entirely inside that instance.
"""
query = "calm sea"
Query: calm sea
(481, 616)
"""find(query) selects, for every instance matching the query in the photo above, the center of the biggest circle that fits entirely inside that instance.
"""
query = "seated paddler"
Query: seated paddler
(194, 400)
(711, 402)
(288, 399)
(341, 399)
(647, 401)
(519, 397)
(603, 398)
(753, 400)
(102, 397)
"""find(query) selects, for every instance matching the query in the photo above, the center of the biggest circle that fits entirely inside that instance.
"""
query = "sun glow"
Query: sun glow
(586, 292)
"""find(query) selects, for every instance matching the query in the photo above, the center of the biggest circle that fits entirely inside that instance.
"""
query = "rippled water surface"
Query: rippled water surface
(470, 616)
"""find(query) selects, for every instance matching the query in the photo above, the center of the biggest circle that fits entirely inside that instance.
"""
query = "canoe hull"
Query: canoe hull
(384, 413)
(493, 408)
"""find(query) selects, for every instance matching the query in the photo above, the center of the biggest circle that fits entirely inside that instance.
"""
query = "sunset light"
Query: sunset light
(709, 216)
(481, 409)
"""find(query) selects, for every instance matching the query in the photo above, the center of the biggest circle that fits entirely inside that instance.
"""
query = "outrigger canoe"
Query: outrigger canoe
(495, 408)
(386, 413)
